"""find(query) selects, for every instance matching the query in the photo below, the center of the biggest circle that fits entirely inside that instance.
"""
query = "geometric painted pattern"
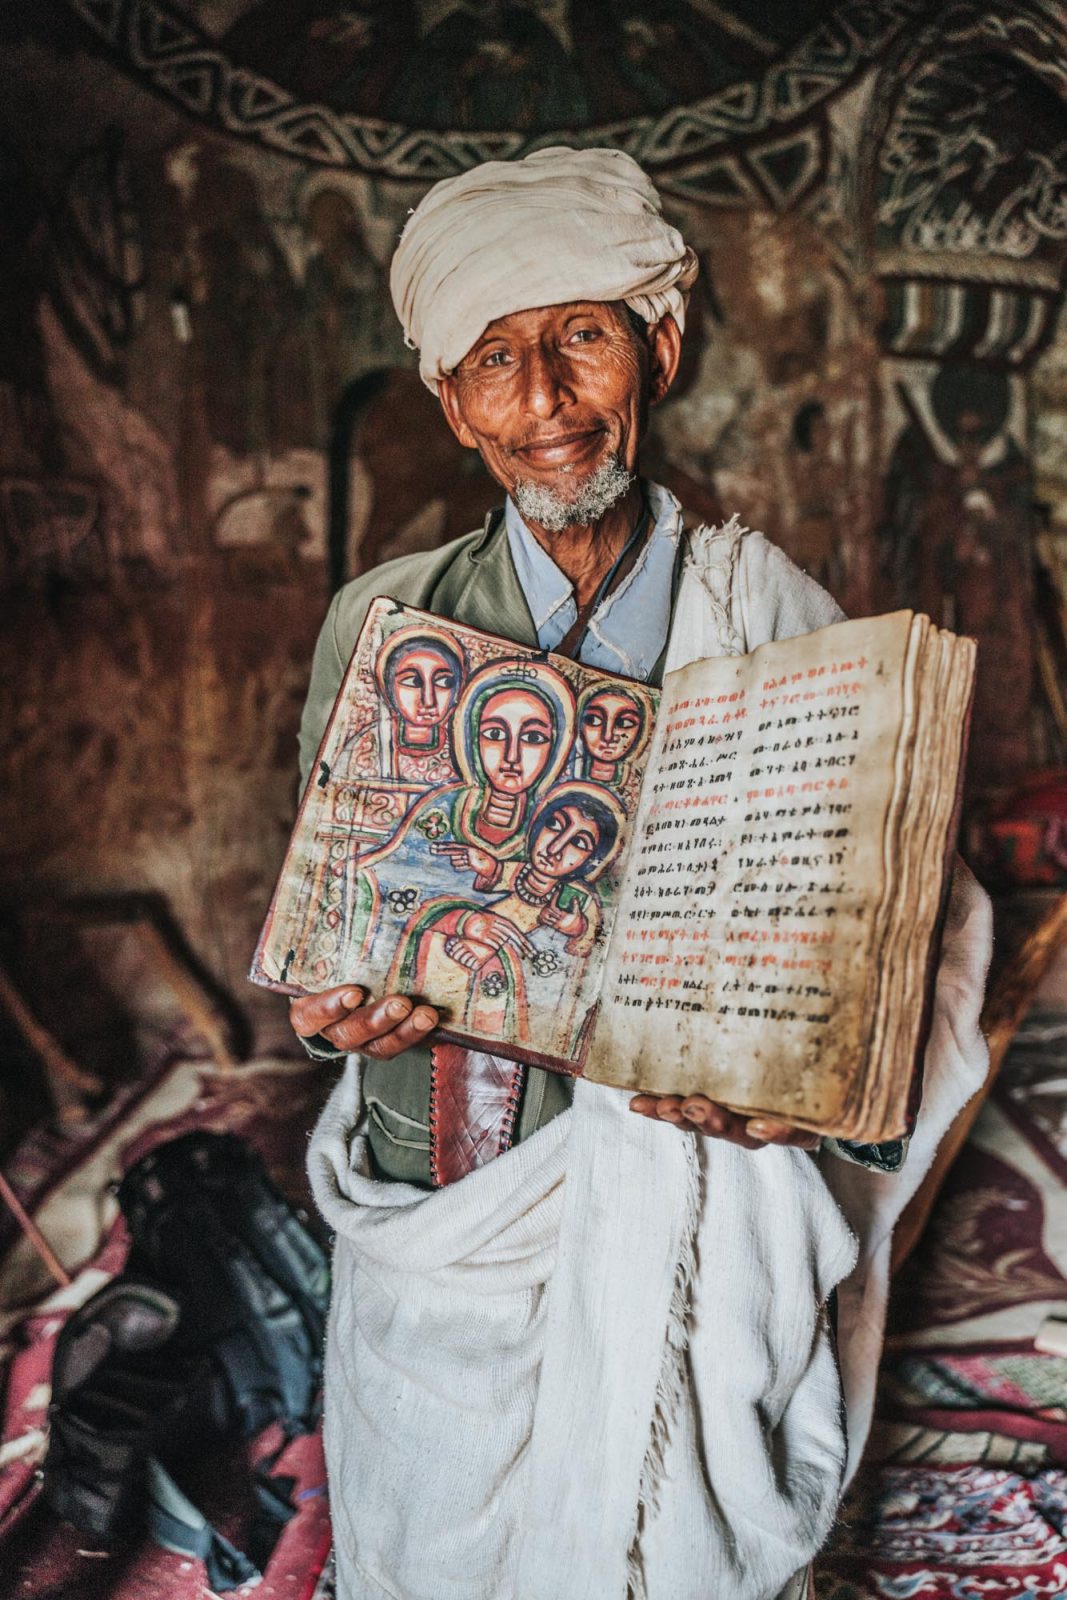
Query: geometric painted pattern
(933, 319)
(160, 45)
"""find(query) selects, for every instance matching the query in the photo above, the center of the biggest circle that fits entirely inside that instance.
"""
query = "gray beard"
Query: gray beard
(588, 500)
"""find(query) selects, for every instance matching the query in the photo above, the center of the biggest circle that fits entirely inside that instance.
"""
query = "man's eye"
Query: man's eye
(444, 680)
(584, 335)
(534, 736)
(495, 358)
(493, 735)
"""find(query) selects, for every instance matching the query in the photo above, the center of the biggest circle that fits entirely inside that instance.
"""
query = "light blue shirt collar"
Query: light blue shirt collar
(628, 630)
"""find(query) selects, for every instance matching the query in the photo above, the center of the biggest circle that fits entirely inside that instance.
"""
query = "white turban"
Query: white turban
(509, 236)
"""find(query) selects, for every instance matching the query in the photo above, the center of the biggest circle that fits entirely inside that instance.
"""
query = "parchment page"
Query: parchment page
(739, 961)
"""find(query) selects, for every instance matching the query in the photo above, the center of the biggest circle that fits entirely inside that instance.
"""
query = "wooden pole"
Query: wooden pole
(203, 1013)
(1007, 1004)
(33, 1233)
(58, 1065)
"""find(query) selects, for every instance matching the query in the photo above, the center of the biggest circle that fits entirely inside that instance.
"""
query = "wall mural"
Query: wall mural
(79, 477)
(956, 535)
(969, 235)
(418, 89)
(206, 408)
(970, 214)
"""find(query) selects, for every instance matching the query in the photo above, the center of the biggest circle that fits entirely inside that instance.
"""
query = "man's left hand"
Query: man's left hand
(698, 1114)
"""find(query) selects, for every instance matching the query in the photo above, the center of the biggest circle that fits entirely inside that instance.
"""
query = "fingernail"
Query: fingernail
(398, 1008)
(353, 997)
(758, 1130)
(424, 1020)
(695, 1113)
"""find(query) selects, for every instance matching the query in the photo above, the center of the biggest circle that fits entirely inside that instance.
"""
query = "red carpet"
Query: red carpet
(964, 1493)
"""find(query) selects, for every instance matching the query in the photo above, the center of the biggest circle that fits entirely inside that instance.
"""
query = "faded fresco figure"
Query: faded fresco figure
(956, 543)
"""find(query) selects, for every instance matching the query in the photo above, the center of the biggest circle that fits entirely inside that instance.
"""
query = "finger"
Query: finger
(369, 1022)
(413, 1030)
(507, 931)
(706, 1115)
(717, 1122)
(768, 1131)
(669, 1109)
(314, 1013)
(644, 1104)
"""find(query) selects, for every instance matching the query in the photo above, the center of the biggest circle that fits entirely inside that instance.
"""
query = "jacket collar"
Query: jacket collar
(489, 594)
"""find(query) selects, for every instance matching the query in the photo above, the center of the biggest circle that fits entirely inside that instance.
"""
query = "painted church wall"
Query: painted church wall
(206, 406)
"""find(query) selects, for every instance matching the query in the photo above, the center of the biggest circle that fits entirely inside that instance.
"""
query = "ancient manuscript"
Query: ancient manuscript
(731, 886)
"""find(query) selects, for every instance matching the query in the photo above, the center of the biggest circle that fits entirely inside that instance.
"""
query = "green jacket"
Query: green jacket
(471, 580)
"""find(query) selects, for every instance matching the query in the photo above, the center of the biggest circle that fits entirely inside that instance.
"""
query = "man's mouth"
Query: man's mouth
(561, 449)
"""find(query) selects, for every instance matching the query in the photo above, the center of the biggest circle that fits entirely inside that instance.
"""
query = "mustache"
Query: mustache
(537, 439)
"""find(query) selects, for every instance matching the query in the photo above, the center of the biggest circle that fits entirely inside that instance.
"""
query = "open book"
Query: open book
(731, 886)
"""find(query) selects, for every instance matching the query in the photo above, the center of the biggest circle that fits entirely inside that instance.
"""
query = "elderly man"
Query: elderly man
(599, 1364)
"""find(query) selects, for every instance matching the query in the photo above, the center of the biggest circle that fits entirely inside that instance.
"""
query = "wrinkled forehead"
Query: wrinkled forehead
(538, 321)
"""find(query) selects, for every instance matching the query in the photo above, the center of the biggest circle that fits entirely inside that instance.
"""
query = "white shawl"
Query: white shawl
(600, 1366)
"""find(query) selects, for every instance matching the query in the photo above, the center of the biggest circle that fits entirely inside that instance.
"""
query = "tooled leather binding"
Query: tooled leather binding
(474, 1099)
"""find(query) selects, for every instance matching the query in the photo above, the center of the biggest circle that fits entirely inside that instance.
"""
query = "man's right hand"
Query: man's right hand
(346, 1018)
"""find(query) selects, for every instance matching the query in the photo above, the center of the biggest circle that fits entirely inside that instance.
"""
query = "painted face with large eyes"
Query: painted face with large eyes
(565, 841)
(611, 726)
(424, 687)
(515, 735)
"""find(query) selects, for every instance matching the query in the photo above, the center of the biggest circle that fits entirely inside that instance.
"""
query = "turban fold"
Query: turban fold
(560, 225)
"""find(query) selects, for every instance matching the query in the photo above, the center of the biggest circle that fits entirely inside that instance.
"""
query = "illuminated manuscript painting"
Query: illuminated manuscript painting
(462, 833)
(732, 887)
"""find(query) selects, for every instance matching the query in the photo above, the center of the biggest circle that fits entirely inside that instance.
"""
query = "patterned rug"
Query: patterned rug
(964, 1492)
(964, 1496)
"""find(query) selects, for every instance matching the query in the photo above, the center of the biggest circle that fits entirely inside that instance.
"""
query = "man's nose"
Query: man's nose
(556, 845)
(426, 694)
(513, 753)
(546, 384)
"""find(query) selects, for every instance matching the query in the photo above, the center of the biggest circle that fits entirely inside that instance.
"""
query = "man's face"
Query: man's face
(565, 842)
(550, 396)
(610, 726)
(424, 687)
(514, 740)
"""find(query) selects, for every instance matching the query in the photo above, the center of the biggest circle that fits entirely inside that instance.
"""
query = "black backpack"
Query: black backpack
(215, 1329)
